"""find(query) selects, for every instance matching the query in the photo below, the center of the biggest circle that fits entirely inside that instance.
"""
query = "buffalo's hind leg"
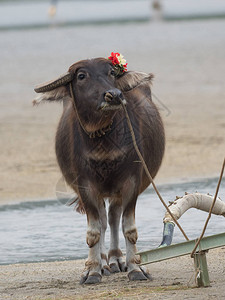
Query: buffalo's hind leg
(115, 256)
(103, 220)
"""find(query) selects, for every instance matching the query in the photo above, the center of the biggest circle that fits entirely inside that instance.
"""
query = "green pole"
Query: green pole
(201, 268)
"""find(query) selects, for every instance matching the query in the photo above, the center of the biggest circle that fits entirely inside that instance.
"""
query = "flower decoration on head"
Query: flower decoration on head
(118, 62)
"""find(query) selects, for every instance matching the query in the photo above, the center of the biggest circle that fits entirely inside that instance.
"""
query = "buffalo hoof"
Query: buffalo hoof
(139, 275)
(91, 279)
(118, 267)
(146, 273)
(106, 271)
(123, 267)
(114, 268)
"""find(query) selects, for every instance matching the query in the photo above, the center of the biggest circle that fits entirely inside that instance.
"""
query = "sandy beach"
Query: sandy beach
(187, 59)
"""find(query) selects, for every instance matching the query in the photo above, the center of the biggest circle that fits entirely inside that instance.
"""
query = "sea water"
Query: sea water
(48, 230)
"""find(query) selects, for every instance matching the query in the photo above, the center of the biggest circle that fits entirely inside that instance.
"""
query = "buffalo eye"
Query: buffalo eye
(113, 73)
(81, 76)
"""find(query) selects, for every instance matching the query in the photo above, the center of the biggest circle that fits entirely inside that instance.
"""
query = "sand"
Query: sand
(172, 279)
(188, 61)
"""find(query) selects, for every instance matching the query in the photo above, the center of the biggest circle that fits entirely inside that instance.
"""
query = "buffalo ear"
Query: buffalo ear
(58, 94)
(132, 79)
(54, 90)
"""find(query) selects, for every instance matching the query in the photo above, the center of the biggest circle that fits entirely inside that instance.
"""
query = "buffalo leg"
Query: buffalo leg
(103, 222)
(130, 233)
(115, 255)
(92, 271)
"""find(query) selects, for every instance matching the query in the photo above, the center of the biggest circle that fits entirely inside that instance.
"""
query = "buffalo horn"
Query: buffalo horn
(51, 85)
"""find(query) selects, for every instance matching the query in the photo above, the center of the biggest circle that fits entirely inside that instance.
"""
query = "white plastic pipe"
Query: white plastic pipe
(181, 205)
(195, 200)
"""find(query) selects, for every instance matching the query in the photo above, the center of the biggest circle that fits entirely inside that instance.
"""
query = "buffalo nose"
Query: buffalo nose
(113, 96)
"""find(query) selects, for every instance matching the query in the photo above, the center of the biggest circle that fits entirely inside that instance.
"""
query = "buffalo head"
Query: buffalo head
(96, 87)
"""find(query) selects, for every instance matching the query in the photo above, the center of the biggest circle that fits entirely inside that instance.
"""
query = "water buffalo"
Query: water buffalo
(96, 155)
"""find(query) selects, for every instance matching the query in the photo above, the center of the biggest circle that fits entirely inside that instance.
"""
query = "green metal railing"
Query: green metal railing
(185, 248)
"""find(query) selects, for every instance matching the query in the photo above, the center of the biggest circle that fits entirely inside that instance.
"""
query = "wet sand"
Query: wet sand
(187, 59)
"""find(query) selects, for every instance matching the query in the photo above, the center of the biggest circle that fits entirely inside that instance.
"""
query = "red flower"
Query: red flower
(125, 67)
(114, 58)
(118, 61)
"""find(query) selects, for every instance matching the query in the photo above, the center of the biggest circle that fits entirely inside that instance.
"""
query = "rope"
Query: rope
(147, 171)
(75, 108)
(149, 175)
(210, 211)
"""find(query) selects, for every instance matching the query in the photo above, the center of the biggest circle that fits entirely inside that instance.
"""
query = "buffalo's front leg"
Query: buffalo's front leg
(130, 233)
(92, 271)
